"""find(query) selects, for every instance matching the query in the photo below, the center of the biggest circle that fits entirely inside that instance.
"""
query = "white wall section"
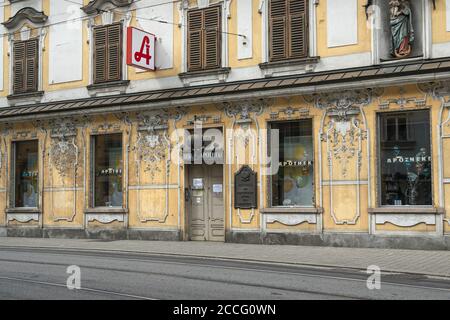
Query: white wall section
(447, 12)
(2, 41)
(244, 27)
(342, 22)
(66, 54)
(151, 20)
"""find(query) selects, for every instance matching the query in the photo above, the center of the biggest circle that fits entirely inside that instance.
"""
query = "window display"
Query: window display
(405, 158)
(108, 167)
(26, 174)
(292, 185)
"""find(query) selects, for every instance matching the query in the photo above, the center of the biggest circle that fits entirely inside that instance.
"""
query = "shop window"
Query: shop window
(25, 66)
(405, 158)
(204, 47)
(107, 170)
(25, 174)
(288, 29)
(107, 53)
(293, 184)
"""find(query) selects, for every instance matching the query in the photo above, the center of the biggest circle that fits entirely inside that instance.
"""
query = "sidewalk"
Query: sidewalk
(436, 263)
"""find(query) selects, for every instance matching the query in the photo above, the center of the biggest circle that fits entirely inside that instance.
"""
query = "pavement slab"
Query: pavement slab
(427, 262)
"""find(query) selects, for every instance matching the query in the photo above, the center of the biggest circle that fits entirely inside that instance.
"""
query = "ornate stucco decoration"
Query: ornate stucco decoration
(345, 136)
(24, 14)
(64, 149)
(438, 89)
(245, 138)
(152, 151)
(152, 143)
(403, 101)
(96, 6)
(243, 111)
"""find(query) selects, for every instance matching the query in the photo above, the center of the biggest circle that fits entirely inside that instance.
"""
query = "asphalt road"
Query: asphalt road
(30, 273)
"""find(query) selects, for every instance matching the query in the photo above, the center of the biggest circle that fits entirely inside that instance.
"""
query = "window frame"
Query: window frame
(121, 56)
(220, 38)
(13, 177)
(269, 177)
(379, 134)
(92, 183)
(37, 71)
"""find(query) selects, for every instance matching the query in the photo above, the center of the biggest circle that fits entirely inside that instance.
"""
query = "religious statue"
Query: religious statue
(401, 28)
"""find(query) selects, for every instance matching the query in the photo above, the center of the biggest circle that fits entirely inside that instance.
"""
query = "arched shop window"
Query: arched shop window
(405, 158)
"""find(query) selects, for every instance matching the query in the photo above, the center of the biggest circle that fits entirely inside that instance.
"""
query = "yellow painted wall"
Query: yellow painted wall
(439, 27)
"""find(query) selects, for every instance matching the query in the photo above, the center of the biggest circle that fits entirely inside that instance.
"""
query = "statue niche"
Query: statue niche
(402, 31)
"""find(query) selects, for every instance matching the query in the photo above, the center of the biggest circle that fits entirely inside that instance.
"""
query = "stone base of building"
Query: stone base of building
(353, 240)
(100, 234)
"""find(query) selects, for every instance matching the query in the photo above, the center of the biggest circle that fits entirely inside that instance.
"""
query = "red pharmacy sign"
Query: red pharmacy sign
(140, 49)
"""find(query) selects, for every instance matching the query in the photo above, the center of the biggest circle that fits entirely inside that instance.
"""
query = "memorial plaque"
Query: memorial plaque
(245, 189)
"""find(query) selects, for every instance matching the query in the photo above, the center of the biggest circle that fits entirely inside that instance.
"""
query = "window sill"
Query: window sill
(406, 210)
(108, 88)
(23, 210)
(108, 210)
(25, 98)
(291, 210)
(106, 215)
(204, 76)
(291, 216)
(23, 215)
(288, 67)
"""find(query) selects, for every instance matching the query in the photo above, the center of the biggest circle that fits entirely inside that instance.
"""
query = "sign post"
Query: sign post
(140, 49)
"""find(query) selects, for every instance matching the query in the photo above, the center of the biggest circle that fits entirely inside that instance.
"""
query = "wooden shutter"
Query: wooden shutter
(115, 52)
(31, 65)
(298, 29)
(25, 66)
(204, 39)
(212, 48)
(108, 53)
(19, 67)
(195, 40)
(278, 35)
(288, 31)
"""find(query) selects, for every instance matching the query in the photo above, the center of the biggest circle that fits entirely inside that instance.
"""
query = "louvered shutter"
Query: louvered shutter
(278, 33)
(108, 53)
(100, 63)
(288, 29)
(31, 64)
(25, 66)
(204, 39)
(298, 29)
(115, 52)
(195, 40)
(212, 48)
(19, 67)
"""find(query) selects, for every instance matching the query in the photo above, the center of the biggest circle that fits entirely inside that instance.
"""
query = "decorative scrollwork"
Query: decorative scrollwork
(64, 150)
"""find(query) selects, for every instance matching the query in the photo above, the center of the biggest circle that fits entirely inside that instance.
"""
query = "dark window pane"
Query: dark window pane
(292, 185)
(402, 129)
(108, 170)
(26, 174)
(391, 133)
(406, 161)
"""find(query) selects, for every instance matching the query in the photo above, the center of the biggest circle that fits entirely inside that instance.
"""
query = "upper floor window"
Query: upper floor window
(204, 29)
(288, 29)
(107, 62)
(25, 66)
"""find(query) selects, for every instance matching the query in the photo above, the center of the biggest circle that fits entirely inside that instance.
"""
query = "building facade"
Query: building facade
(323, 122)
